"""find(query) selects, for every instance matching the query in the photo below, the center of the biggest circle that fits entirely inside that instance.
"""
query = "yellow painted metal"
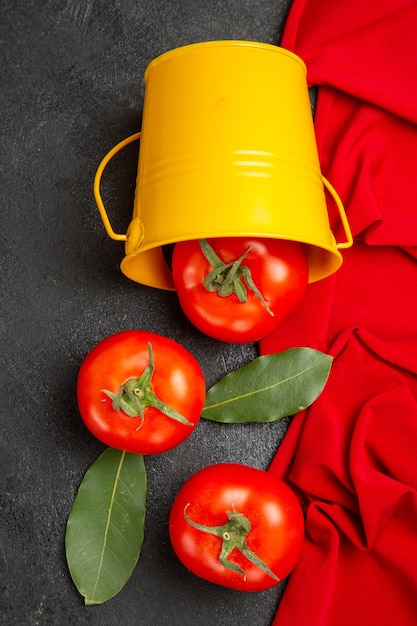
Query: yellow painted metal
(227, 149)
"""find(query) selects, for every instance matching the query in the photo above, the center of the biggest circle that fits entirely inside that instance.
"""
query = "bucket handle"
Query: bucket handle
(97, 182)
(342, 213)
(123, 236)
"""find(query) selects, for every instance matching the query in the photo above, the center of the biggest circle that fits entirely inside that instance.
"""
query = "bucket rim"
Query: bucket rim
(305, 241)
(225, 43)
(323, 261)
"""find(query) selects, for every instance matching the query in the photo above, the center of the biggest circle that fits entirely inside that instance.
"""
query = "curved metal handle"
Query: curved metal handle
(97, 181)
(342, 213)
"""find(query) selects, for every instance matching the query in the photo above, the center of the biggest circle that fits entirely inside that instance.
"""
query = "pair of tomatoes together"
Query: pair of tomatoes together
(144, 393)
(230, 524)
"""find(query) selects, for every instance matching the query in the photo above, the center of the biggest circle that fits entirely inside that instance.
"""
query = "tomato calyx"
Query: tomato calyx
(226, 278)
(136, 394)
(233, 535)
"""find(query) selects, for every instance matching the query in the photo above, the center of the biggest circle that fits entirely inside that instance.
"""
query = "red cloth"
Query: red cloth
(352, 456)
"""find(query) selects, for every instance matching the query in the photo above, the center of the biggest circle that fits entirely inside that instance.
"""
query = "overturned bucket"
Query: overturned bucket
(227, 149)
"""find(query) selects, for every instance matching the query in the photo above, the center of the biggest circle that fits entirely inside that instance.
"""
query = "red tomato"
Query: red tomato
(278, 270)
(140, 392)
(237, 526)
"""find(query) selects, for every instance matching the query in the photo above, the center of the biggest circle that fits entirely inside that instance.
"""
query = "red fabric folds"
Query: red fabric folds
(352, 456)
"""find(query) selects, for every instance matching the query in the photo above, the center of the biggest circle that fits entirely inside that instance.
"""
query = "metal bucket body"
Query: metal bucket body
(227, 149)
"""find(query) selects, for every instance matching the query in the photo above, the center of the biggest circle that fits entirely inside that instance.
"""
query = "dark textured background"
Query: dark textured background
(71, 88)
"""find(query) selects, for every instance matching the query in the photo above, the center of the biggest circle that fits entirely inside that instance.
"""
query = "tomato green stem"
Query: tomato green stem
(226, 278)
(233, 535)
(136, 394)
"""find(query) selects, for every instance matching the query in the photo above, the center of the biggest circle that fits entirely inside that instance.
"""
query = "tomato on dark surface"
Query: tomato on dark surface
(140, 392)
(239, 289)
(237, 526)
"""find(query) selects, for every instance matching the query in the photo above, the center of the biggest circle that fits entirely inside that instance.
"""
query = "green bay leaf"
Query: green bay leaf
(105, 527)
(269, 388)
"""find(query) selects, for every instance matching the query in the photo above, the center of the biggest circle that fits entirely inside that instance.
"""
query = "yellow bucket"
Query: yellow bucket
(227, 149)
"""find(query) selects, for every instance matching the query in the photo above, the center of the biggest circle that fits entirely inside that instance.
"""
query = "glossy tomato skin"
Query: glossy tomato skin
(279, 270)
(177, 380)
(277, 524)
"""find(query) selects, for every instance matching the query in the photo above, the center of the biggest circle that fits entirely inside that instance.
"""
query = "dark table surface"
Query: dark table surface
(71, 88)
